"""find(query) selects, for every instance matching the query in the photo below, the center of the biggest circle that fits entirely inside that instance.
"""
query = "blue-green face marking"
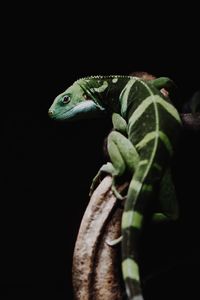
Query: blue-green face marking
(73, 104)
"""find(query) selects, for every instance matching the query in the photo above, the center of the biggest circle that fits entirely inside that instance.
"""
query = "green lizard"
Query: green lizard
(146, 127)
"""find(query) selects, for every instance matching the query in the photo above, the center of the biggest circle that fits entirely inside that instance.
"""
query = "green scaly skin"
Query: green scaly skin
(146, 128)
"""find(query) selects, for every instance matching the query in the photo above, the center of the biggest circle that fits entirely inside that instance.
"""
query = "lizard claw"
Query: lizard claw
(114, 242)
(117, 194)
(95, 183)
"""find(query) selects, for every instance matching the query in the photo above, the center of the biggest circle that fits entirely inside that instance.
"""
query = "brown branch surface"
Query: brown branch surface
(96, 271)
(96, 265)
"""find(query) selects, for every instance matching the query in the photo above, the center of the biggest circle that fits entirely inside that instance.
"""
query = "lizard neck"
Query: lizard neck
(107, 91)
(132, 95)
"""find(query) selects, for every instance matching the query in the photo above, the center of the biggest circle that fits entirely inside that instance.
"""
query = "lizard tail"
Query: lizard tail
(138, 198)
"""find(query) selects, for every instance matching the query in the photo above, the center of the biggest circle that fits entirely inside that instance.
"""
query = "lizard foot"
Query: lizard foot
(105, 169)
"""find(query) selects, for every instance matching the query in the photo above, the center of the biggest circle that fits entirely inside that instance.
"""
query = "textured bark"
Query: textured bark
(96, 265)
(96, 272)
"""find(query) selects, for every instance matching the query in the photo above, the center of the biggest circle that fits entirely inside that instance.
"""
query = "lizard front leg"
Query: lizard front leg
(123, 156)
(119, 125)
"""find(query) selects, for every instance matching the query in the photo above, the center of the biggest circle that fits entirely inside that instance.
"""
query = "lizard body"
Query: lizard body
(146, 127)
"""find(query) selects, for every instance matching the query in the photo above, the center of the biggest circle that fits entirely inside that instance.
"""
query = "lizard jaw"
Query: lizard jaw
(83, 110)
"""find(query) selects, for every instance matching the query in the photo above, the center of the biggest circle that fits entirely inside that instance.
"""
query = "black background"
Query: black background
(48, 166)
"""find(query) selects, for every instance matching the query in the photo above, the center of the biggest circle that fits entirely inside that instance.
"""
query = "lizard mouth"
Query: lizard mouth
(60, 116)
(83, 110)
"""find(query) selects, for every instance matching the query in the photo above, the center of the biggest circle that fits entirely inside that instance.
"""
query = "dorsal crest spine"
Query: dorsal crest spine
(106, 77)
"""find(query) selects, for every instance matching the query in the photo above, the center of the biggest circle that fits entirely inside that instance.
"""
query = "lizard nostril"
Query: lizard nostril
(50, 113)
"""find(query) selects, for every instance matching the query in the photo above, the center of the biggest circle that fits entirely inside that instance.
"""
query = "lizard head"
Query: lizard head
(77, 102)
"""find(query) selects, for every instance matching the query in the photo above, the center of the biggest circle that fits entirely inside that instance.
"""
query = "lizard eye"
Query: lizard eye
(66, 99)
(86, 97)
